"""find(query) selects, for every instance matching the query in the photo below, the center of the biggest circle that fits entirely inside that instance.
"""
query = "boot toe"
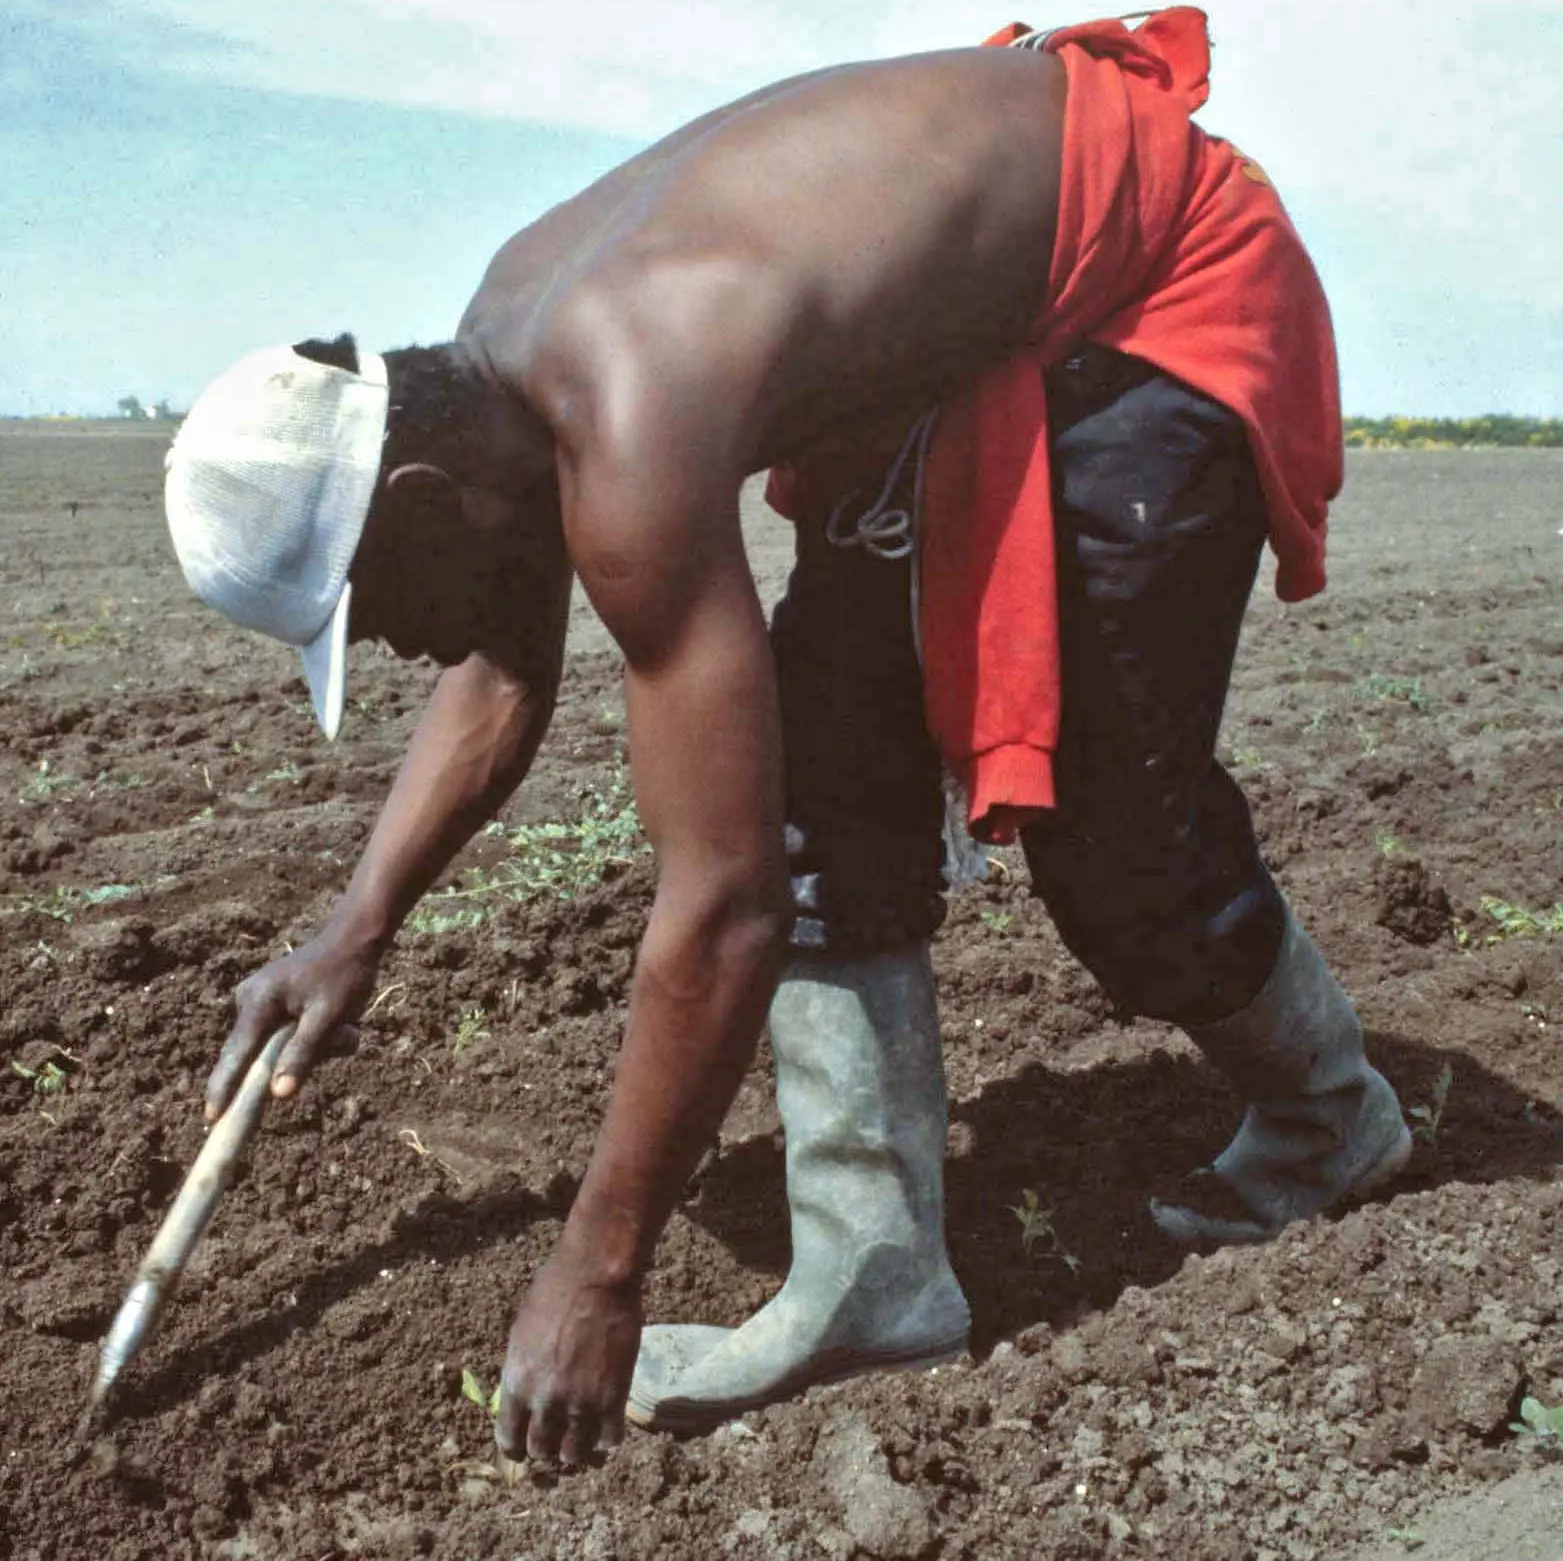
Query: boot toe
(1209, 1212)
(667, 1352)
(1210, 1209)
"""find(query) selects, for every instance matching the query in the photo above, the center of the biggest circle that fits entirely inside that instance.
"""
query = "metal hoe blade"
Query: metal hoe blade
(181, 1229)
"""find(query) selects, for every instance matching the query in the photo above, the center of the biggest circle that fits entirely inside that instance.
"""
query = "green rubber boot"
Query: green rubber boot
(860, 1087)
(1322, 1126)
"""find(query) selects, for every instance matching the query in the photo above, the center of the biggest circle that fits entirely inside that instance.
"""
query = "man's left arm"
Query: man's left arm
(656, 543)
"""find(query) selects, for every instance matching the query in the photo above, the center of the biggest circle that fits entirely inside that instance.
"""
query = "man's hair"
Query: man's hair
(340, 353)
(433, 397)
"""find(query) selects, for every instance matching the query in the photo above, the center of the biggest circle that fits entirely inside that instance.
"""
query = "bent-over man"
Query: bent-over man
(1037, 366)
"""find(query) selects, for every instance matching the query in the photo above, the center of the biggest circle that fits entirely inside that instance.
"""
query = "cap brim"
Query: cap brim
(325, 666)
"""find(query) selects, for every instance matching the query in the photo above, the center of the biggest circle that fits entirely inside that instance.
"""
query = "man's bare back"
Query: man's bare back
(838, 245)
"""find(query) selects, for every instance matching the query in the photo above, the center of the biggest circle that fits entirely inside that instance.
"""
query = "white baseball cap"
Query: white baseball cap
(268, 487)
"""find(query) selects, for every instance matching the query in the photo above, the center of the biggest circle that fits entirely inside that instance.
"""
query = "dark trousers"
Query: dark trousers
(1148, 865)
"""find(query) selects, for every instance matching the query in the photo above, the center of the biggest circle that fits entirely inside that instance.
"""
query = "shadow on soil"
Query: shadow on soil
(1092, 1146)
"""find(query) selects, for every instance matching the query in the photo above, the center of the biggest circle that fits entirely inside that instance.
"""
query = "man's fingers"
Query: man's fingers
(298, 1056)
(529, 1428)
(579, 1441)
(545, 1432)
(611, 1432)
(255, 1022)
(554, 1434)
(510, 1425)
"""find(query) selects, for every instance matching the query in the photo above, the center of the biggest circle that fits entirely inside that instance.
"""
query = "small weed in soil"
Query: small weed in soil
(1428, 1115)
(501, 1468)
(1539, 1426)
(1036, 1224)
(45, 783)
(1514, 921)
(62, 903)
(472, 1391)
(559, 860)
(1379, 686)
(471, 1028)
(48, 1078)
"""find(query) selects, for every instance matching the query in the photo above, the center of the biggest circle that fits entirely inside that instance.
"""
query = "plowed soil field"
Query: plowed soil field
(169, 820)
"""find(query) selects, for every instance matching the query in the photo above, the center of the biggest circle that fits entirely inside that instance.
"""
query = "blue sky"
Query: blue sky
(187, 179)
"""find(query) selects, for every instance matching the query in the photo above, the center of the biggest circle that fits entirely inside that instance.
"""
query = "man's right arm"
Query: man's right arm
(471, 750)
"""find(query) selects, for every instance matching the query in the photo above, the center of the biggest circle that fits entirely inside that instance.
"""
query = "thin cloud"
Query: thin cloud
(1418, 145)
(1442, 113)
(621, 67)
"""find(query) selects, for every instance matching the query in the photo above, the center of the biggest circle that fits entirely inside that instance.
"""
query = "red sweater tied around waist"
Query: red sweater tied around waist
(1171, 246)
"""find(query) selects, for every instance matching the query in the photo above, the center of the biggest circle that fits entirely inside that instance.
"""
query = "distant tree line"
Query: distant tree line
(130, 406)
(1452, 433)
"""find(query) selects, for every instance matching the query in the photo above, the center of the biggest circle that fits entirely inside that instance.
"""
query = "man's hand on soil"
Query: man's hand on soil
(320, 988)
(567, 1370)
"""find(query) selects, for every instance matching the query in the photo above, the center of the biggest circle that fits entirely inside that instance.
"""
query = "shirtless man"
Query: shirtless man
(793, 278)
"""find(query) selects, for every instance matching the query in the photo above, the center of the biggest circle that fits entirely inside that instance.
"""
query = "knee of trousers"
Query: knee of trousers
(1188, 959)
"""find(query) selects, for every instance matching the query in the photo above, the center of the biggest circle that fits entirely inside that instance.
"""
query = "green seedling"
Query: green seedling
(1036, 1224)
(1407, 691)
(1514, 921)
(1367, 737)
(1539, 1427)
(501, 1468)
(441, 922)
(1428, 1116)
(471, 1028)
(473, 1391)
(286, 771)
(73, 639)
(48, 1078)
(997, 921)
(63, 904)
(1407, 1537)
(45, 783)
(1388, 842)
(556, 860)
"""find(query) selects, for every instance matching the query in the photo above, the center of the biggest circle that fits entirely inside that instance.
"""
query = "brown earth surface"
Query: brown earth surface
(169, 820)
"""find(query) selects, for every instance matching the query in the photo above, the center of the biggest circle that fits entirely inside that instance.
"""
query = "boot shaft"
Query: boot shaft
(1298, 1037)
(861, 1091)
